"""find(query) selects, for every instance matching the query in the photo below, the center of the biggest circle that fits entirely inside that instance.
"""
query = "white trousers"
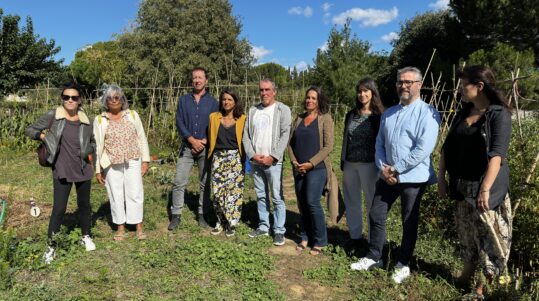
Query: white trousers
(358, 177)
(125, 192)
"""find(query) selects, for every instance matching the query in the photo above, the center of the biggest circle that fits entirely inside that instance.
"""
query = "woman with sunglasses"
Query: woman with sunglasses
(67, 134)
(122, 158)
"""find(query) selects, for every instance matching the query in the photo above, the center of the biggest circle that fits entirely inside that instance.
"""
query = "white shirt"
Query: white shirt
(263, 127)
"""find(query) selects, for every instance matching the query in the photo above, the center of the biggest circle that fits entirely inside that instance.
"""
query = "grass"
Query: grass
(190, 264)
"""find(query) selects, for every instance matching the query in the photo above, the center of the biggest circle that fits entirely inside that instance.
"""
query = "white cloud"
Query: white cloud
(326, 6)
(324, 47)
(369, 17)
(301, 66)
(298, 10)
(439, 4)
(390, 37)
(258, 52)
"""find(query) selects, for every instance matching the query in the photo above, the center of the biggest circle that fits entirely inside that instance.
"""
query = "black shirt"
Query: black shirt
(470, 150)
(226, 138)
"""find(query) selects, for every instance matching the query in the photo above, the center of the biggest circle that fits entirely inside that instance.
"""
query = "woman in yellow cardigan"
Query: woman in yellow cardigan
(227, 156)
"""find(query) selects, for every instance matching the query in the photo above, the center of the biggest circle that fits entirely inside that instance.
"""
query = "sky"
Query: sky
(287, 32)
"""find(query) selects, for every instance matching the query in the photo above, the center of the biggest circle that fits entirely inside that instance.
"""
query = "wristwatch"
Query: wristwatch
(392, 169)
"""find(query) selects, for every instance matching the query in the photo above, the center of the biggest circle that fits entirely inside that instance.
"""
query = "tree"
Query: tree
(503, 59)
(276, 72)
(170, 37)
(25, 59)
(418, 38)
(345, 61)
(98, 63)
(488, 22)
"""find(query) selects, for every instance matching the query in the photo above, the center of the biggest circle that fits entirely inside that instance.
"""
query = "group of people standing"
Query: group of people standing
(386, 154)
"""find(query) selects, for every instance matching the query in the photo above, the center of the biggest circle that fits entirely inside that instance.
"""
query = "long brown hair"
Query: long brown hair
(376, 103)
(477, 74)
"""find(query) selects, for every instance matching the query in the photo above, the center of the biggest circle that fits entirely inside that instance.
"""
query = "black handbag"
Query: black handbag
(42, 153)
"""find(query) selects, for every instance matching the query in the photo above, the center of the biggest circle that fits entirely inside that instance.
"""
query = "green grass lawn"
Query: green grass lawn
(190, 264)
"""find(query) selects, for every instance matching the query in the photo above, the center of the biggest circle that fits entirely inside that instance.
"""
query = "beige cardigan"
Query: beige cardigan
(101, 123)
(333, 196)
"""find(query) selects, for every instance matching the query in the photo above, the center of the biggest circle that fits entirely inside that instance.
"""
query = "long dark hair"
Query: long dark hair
(376, 103)
(238, 107)
(323, 101)
(477, 74)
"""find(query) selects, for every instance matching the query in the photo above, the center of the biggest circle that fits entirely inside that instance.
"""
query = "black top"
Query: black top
(226, 137)
(470, 151)
(306, 142)
(496, 133)
(360, 139)
(68, 163)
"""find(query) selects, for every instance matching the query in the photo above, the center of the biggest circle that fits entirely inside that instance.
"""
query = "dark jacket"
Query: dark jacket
(496, 130)
(53, 135)
(373, 118)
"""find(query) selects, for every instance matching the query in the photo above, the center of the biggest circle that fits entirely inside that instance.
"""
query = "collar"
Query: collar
(61, 113)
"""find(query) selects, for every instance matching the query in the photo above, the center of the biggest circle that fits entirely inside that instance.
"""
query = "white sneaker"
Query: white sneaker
(88, 243)
(48, 257)
(401, 272)
(366, 264)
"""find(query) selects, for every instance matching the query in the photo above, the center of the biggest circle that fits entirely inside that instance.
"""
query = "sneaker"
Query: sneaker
(366, 264)
(174, 222)
(216, 230)
(202, 222)
(401, 272)
(278, 239)
(48, 257)
(88, 243)
(257, 233)
(230, 231)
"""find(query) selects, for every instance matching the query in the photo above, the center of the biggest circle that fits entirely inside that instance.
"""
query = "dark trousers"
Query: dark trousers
(384, 197)
(62, 188)
(309, 188)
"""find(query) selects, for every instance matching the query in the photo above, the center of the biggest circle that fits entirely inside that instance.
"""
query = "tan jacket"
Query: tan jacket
(334, 200)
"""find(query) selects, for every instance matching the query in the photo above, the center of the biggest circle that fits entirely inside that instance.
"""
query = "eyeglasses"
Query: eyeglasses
(406, 83)
(68, 97)
(114, 98)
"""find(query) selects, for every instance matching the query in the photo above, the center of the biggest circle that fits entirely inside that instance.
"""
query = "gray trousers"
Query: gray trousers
(183, 169)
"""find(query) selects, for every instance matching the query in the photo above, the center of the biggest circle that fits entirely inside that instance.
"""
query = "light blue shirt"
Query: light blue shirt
(406, 140)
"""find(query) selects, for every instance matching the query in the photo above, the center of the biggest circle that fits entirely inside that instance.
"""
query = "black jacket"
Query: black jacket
(53, 135)
(496, 130)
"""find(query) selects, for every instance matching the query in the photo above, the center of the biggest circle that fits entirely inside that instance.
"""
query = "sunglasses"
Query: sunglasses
(68, 97)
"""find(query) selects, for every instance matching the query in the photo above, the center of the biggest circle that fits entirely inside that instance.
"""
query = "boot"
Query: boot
(174, 222)
(201, 221)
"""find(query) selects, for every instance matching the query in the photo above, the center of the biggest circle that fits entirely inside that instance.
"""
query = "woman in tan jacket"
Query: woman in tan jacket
(311, 142)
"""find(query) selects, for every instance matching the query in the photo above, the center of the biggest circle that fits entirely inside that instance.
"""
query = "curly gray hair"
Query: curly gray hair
(113, 90)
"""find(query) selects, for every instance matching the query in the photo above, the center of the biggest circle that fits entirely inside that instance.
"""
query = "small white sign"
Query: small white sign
(35, 211)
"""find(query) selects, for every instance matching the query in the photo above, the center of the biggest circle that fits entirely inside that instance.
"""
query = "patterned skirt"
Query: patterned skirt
(227, 185)
(485, 237)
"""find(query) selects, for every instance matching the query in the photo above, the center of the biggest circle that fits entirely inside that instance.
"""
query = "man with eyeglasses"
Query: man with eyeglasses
(192, 120)
(407, 137)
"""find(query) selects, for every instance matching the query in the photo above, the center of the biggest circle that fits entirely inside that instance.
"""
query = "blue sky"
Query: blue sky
(287, 32)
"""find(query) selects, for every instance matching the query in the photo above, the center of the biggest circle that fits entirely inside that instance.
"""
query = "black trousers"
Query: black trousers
(384, 197)
(62, 188)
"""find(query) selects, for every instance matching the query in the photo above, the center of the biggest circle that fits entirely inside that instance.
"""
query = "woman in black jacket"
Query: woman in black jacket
(474, 155)
(68, 137)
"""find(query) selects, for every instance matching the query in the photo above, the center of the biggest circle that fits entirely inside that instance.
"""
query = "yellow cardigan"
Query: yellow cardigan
(215, 122)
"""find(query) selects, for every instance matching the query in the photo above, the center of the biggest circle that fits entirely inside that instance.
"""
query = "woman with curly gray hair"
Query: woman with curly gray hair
(122, 159)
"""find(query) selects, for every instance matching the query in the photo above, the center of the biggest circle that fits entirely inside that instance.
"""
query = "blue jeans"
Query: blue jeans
(266, 179)
(309, 188)
(183, 169)
(384, 197)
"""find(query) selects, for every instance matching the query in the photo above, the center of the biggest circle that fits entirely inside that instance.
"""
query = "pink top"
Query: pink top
(121, 143)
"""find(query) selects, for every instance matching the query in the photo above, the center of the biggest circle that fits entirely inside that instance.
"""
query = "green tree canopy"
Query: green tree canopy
(25, 59)
(345, 61)
(276, 72)
(98, 63)
(173, 36)
(488, 22)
